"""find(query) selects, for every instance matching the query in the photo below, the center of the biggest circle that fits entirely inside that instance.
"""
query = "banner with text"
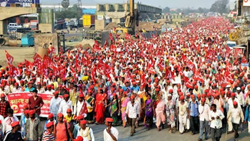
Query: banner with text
(17, 100)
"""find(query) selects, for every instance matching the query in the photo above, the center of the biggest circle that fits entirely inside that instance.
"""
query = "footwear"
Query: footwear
(199, 139)
(206, 138)
(132, 134)
(230, 132)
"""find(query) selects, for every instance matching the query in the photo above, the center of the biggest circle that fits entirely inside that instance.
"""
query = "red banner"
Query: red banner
(17, 100)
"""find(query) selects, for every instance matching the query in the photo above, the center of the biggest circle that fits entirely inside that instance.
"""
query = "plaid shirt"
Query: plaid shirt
(4, 105)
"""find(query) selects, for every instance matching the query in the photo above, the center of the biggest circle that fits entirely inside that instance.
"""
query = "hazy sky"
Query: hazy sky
(158, 3)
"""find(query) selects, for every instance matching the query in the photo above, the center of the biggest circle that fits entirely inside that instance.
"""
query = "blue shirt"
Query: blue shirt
(136, 88)
(247, 114)
(193, 109)
(29, 90)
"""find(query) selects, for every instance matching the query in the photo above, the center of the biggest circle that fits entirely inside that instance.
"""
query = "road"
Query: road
(143, 134)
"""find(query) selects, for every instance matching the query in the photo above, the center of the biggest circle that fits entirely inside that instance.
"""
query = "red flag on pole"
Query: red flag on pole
(9, 58)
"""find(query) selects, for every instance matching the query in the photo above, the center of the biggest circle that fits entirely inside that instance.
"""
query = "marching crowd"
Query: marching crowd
(187, 80)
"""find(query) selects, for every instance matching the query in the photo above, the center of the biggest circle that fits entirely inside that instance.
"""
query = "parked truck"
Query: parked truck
(73, 23)
(88, 21)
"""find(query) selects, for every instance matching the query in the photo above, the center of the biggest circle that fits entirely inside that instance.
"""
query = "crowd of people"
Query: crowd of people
(187, 79)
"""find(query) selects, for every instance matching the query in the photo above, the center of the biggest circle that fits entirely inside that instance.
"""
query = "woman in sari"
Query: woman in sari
(90, 101)
(115, 109)
(149, 112)
(124, 102)
(101, 102)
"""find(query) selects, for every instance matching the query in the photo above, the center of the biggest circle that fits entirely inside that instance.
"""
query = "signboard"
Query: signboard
(17, 100)
(246, 2)
(22, 3)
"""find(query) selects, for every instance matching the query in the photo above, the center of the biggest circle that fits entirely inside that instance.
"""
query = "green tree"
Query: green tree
(166, 10)
(65, 4)
(220, 6)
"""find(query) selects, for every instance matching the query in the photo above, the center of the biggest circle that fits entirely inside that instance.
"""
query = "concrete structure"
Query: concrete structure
(58, 7)
(118, 11)
(8, 12)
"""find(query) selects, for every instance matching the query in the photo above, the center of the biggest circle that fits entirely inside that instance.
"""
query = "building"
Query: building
(119, 10)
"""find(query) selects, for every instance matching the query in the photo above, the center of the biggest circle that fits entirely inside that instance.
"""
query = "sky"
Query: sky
(157, 3)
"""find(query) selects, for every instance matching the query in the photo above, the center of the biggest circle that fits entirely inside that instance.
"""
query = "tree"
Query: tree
(166, 10)
(220, 6)
(65, 4)
(200, 10)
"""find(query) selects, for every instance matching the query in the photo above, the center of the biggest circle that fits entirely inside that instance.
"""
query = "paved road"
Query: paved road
(143, 134)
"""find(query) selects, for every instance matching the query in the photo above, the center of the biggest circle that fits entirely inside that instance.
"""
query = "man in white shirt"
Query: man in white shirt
(230, 104)
(110, 133)
(133, 112)
(204, 118)
(215, 116)
(85, 132)
(65, 104)
(8, 120)
(55, 103)
(236, 115)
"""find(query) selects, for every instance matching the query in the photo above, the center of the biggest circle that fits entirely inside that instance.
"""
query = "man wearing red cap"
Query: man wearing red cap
(215, 116)
(133, 112)
(81, 106)
(237, 117)
(14, 134)
(204, 119)
(230, 104)
(62, 129)
(85, 132)
(110, 133)
(50, 119)
(194, 115)
(32, 127)
(4, 106)
(35, 102)
(55, 103)
(48, 134)
(65, 104)
(183, 112)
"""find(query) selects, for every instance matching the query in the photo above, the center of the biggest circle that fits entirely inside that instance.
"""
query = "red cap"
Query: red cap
(109, 120)
(49, 124)
(15, 123)
(83, 122)
(114, 94)
(26, 112)
(50, 115)
(69, 110)
(203, 95)
(196, 87)
(132, 96)
(203, 100)
(170, 91)
(235, 103)
(233, 94)
(182, 98)
(66, 95)
(198, 95)
(80, 117)
(32, 112)
(209, 94)
(192, 96)
(60, 115)
(2, 95)
(56, 92)
(78, 138)
(81, 95)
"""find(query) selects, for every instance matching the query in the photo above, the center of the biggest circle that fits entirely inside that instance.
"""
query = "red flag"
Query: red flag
(127, 36)
(9, 58)
(243, 60)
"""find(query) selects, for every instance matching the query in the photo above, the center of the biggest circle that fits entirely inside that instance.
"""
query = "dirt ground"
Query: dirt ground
(19, 54)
